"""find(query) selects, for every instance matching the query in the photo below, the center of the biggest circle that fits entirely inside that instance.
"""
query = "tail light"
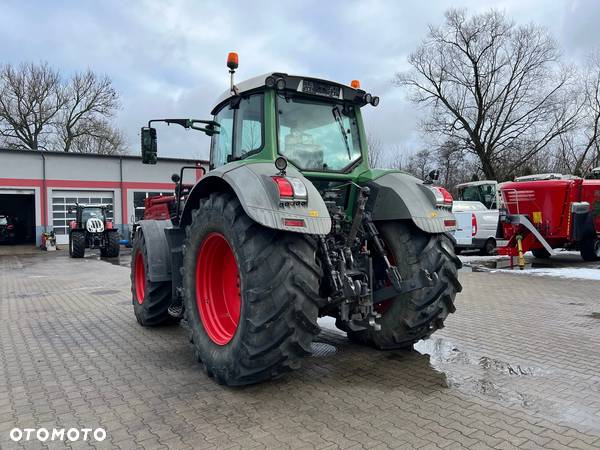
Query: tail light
(109, 225)
(473, 225)
(294, 223)
(290, 188)
(10, 227)
(442, 196)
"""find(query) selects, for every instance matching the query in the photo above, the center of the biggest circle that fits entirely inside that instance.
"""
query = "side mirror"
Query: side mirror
(149, 147)
(434, 175)
(175, 178)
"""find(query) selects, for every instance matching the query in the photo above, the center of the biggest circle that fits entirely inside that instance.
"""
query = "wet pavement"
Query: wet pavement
(516, 366)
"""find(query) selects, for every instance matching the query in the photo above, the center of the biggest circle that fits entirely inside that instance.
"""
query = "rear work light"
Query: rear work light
(290, 188)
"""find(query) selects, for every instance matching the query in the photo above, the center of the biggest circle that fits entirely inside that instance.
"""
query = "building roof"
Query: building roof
(95, 155)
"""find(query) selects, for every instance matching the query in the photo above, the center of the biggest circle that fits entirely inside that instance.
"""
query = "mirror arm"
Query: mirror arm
(210, 126)
(189, 123)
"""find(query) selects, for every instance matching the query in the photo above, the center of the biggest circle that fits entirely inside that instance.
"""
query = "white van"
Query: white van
(475, 226)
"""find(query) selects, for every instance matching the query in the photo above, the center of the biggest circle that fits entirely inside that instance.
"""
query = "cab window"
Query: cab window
(222, 143)
(249, 126)
(241, 131)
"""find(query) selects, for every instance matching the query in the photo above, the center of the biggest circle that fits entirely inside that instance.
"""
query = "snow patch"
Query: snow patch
(561, 272)
(328, 323)
(468, 258)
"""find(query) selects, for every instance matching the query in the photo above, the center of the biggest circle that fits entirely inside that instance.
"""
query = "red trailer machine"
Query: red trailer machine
(544, 212)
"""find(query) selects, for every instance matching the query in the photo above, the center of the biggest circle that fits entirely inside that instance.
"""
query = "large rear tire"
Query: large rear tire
(590, 249)
(150, 299)
(250, 293)
(113, 247)
(417, 314)
(77, 244)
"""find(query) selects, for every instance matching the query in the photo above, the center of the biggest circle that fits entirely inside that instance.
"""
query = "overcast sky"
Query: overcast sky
(167, 59)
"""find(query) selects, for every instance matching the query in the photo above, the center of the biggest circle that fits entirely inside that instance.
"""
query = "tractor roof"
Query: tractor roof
(259, 81)
(546, 176)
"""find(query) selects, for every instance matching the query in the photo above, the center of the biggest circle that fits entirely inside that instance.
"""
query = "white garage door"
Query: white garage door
(63, 200)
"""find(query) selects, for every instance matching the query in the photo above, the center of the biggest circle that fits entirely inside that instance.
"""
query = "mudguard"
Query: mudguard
(258, 194)
(157, 249)
(397, 195)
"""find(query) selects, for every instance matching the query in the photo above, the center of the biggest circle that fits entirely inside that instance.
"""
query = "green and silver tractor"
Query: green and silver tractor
(290, 224)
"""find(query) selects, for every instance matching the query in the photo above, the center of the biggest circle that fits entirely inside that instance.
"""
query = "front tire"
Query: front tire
(250, 294)
(590, 249)
(77, 244)
(411, 317)
(113, 247)
(150, 299)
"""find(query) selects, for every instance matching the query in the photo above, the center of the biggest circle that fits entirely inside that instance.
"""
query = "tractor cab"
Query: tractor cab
(485, 191)
(91, 217)
(315, 124)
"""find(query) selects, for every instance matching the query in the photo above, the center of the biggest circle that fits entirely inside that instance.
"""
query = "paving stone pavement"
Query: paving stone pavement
(515, 367)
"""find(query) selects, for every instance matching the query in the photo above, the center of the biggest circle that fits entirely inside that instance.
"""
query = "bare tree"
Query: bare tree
(30, 101)
(376, 152)
(419, 164)
(100, 138)
(41, 111)
(397, 158)
(579, 147)
(493, 85)
(89, 101)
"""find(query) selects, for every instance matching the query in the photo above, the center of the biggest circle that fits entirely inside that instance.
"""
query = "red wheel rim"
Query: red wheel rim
(140, 277)
(218, 288)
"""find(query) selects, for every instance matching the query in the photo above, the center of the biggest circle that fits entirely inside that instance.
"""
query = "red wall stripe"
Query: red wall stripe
(24, 182)
(83, 184)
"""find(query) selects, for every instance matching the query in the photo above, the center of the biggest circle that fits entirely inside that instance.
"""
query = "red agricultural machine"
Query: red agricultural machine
(548, 211)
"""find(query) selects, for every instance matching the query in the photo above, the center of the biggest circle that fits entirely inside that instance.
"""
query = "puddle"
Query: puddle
(443, 353)
(123, 260)
(490, 377)
(505, 264)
